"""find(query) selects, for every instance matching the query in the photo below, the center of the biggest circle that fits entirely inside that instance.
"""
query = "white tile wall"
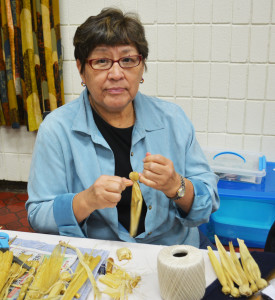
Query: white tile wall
(215, 58)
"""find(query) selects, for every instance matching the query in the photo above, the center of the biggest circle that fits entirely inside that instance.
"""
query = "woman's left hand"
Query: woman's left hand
(159, 173)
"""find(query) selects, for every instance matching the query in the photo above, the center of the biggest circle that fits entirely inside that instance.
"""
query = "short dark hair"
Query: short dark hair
(110, 27)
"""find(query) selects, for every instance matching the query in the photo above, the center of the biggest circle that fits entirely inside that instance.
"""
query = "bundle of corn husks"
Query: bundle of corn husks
(236, 278)
(47, 279)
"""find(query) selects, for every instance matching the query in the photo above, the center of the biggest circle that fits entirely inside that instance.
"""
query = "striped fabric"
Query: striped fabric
(31, 78)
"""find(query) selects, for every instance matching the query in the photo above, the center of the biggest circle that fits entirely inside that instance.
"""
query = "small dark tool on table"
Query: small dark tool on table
(4, 246)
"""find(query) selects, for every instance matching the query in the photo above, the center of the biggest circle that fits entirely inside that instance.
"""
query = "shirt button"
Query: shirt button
(132, 153)
(149, 233)
(150, 207)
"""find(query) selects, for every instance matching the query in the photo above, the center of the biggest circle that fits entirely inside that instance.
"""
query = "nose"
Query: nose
(115, 72)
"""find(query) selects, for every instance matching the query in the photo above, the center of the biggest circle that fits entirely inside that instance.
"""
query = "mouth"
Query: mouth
(114, 90)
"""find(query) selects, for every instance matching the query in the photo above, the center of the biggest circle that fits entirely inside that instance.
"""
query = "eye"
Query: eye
(101, 61)
(127, 60)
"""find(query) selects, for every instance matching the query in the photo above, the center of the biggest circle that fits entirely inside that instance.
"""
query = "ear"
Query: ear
(78, 65)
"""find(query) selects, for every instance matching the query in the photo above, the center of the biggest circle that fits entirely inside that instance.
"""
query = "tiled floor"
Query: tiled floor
(13, 215)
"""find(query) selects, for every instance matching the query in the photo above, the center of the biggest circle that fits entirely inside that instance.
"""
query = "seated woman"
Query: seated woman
(85, 150)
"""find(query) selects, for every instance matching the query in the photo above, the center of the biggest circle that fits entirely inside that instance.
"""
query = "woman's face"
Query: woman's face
(114, 89)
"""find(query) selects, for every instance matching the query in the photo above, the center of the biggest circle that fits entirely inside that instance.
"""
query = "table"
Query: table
(143, 262)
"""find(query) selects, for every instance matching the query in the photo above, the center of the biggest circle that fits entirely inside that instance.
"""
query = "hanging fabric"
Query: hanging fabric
(31, 78)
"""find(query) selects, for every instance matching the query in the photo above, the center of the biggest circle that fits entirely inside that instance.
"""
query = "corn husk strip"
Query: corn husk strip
(5, 265)
(60, 285)
(34, 265)
(47, 274)
(251, 266)
(136, 204)
(244, 288)
(15, 272)
(228, 264)
(87, 268)
(109, 267)
(119, 283)
(81, 275)
(219, 271)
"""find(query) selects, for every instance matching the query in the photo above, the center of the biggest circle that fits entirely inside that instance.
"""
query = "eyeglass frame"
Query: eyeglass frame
(89, 61)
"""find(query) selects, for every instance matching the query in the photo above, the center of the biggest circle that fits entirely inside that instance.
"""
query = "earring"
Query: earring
(142, 80)
(83, 84)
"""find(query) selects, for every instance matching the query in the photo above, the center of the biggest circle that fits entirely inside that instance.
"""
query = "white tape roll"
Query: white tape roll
(181, 273)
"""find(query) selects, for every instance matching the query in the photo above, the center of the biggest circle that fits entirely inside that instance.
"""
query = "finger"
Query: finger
(147, 181)
(127, 182)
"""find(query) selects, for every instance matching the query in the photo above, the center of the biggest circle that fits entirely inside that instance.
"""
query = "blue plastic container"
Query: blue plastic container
(247, 211)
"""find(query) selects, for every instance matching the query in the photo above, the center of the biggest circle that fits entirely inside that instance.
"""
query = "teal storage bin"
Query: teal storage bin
(247, 211)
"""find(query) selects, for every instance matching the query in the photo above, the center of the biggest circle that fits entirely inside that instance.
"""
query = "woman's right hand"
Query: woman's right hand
(105, 192)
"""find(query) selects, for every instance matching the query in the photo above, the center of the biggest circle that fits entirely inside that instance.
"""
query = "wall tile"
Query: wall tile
(12, 172)
(70, 51)
(222, 11)
(201, 79)
(216, 140)
(166, 42)
(272, 44)
(166, 13)
(270, 90)
(149, 86)
(259, 43)
(66, 43)
(256, 81)
(186, 105)
(67, 77)
(261, 11)
(10, 139)
(235, 116)
(25, 164)
(268, 146)
(221, 42)
(202, 139)
(241, 11)
(254, 117)
(109, 3)
(200, 114)
(237, 81)
(273, 13)
(185, 11)
(2, 167)
(202, 39)
(233, 142)
(184, 77)
(63, 13)
(252, 143)
(269, 118)
(127, 6)
(147, 11)
(69, 98)
(184, 48)
(219, 80)
(1, 140)
(166, 79)
(152, 37)
(26, 140)
(203, 11)
(239, 44)
(217, 115)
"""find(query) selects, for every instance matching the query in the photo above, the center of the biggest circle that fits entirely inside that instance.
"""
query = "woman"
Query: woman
(86, 149)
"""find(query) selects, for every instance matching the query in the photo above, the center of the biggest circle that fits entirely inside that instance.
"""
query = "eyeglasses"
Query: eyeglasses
(107, 63)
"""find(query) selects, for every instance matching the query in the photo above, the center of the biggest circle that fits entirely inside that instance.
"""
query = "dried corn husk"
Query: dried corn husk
(5, 265)
(83, 264)
(136, 204)
(251, 266)
(124, 253)
(47, 274)
(219, 271)
(230, 267)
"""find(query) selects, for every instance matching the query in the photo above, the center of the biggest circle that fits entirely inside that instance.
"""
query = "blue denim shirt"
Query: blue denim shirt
(70, 154)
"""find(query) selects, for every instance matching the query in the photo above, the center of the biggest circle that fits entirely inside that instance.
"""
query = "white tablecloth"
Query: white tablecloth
(143, 262)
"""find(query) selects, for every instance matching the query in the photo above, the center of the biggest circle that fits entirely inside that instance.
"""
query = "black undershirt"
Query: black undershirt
(119, 140)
